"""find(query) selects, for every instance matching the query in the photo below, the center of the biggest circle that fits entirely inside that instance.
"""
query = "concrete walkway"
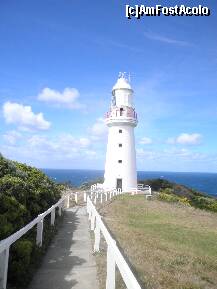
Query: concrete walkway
(69, 262)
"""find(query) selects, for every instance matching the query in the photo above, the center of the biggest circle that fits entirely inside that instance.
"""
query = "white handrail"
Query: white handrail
(6, 243)
(99, 193)
(114, 256)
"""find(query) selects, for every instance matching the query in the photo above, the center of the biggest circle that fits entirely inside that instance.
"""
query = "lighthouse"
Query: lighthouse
(120, 166)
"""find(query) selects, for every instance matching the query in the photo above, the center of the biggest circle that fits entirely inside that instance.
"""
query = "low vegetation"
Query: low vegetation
(172, 192)
(25, 192)
(170, 245)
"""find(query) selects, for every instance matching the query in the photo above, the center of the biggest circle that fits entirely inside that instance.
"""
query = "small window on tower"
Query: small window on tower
(120, 130)
(120, 145)
(120, 161)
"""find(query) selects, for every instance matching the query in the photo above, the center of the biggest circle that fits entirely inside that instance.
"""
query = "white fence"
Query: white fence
(97, 191)
(114, 256)
(101, 195)
(6, 243)
(144, 189)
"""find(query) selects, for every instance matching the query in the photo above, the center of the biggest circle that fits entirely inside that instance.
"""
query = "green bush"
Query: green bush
(204, 203)
(169, 197)
(184, 201)
(196, 200)
(157, 184)
(167, 191)
(172, 192)
(20, 259)
(25, 192)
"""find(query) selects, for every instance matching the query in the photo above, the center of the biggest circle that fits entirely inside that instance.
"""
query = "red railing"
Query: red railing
(121, 112)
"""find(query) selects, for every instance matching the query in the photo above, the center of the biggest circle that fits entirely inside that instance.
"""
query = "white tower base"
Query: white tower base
(122, 175)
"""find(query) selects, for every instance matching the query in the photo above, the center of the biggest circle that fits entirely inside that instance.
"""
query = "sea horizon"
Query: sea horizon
(202, 172)
(205, 182)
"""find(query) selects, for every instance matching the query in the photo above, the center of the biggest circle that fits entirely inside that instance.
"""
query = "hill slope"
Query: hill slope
(172, 192)
(169, 245)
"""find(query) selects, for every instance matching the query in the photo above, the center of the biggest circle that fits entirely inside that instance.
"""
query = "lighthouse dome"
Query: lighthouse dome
(122, 93)
(122, 83)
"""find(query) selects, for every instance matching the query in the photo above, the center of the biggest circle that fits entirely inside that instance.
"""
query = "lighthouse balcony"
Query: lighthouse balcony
(121, 115)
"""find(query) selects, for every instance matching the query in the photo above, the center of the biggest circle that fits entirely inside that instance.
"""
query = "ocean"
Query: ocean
(203, 182)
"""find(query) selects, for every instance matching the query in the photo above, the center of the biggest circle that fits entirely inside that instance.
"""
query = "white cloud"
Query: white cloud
(62, 146)
(99, 129)
(68, 140)
(168, 40)
(147, 154)
(42, 143)
(67, 98)
(84, 142)
(12, 136)
(24, 117)
(186, 139)
(173, 154)
(146, 140)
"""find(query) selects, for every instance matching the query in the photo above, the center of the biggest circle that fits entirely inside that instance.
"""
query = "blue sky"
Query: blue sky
(60, 59)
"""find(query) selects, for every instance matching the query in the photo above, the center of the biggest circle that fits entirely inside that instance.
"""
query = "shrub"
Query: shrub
(185, 201)
(167, 191)
(157, 184)
(173, 192)
(204, 203)
(20, 257)
(25, 192)
(169, 197)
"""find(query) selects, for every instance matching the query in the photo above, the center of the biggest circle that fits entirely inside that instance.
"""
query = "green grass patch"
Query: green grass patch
(170, 245)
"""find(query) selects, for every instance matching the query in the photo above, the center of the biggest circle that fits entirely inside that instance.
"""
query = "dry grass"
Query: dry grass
(169, 246)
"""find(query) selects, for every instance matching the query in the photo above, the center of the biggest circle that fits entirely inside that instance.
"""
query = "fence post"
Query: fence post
(52, 219)
(110, 278)
(97, 237)
(39, 235)
(88, 209)
(87, 206)
(92, 225)
(90, 213)
(4, 268)
(95, 200)
(60, 210)
(76, 198)
(68, 201)
(101, 197)
(85, 197)
(106, 197)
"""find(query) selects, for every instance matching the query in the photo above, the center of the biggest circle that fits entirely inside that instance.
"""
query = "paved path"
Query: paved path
(69, 262)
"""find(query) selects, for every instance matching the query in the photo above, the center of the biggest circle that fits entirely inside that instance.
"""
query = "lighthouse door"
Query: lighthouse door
(119, 184)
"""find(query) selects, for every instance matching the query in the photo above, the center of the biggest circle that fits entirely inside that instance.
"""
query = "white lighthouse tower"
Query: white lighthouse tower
(120, 166)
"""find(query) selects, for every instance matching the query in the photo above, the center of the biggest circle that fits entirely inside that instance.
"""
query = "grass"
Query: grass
(169, 246)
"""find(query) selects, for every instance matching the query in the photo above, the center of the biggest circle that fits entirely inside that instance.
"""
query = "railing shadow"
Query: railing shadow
(60, 260)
